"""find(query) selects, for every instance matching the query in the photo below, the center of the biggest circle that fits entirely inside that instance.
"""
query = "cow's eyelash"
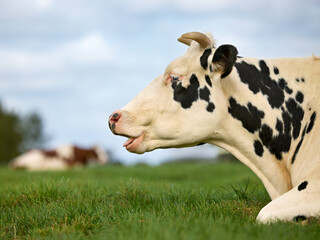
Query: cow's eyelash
(174, 78)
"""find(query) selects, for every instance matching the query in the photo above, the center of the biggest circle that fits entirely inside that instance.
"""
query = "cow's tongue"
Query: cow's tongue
(128, 142)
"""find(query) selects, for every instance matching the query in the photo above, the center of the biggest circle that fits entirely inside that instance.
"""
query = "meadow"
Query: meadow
(171, 201)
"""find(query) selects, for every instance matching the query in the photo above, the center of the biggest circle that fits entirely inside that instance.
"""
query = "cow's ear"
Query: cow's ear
(224, 58)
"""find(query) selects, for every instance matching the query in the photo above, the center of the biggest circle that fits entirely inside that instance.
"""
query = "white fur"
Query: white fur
(35, 160)
(65, 151)
(102, 155)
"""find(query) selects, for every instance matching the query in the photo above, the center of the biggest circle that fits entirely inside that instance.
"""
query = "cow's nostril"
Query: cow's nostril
(114, 119)
(115, 116)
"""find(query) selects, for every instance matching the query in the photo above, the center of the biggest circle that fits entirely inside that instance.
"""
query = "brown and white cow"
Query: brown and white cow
(63, 157)
(262, 111)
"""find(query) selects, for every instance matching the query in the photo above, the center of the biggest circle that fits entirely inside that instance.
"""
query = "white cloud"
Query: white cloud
(274, 9)
(24, 61)
(91, 49)
(26, 84)
(195, 6)
(24, 8)
(42, 4)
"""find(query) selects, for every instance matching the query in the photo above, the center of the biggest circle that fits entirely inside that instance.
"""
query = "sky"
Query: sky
(76, 61)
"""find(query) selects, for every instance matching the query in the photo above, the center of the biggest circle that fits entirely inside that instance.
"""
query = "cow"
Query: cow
(63, 157)
(263, 111)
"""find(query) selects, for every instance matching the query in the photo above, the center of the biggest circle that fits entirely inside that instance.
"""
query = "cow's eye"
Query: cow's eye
(174, 78)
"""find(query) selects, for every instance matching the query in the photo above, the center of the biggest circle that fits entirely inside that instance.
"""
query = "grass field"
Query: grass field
(172, 201)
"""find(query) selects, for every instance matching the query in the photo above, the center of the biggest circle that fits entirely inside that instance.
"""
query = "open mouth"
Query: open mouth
(133, 142)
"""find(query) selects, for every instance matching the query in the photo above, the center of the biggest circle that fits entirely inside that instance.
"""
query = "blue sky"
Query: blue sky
(75, 61)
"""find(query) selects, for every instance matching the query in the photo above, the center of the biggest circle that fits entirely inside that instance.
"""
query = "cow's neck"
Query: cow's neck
(272, 173)
(261, 125)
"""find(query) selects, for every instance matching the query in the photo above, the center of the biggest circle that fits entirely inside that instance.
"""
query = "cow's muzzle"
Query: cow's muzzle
(114, 120)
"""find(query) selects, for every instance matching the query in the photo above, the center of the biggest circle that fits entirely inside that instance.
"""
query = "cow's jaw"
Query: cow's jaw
(133, 144)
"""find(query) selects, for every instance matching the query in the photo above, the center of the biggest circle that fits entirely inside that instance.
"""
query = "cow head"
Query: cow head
(182, 107)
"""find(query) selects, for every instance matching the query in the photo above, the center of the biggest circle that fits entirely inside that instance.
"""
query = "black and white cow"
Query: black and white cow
(63, 157)
(264, 112)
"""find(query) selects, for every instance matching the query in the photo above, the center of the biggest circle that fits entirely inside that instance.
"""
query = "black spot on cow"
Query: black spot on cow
(249, 115)
(284, 86)
(297, 114)
(311, 123)
(265, 134)
(186, 96)
(280, 144)
(279, 126)
(299, 97)
(276, 70)
(300, 80)
(299, 218)
(303, 186)
(287, 127)
(210, 107)
(296, 151)
(204, 94)
(277, 143)
(204, 58)
(307, 128)
(260, 81)
(208, 80)
(287, 122)
(258, 148)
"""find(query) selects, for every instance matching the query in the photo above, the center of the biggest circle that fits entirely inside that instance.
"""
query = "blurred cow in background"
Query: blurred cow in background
(63, 157)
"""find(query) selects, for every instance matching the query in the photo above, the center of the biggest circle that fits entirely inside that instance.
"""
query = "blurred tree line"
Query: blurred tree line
(19, 133)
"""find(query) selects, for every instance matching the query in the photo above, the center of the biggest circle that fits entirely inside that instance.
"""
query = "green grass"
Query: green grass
(172, 201)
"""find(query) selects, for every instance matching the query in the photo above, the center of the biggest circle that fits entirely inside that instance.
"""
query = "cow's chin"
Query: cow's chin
(142, 143)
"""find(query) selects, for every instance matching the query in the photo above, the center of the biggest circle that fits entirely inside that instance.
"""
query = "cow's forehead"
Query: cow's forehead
(187, 63)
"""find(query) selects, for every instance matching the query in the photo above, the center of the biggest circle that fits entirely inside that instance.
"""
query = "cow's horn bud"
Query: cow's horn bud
(201, 38)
